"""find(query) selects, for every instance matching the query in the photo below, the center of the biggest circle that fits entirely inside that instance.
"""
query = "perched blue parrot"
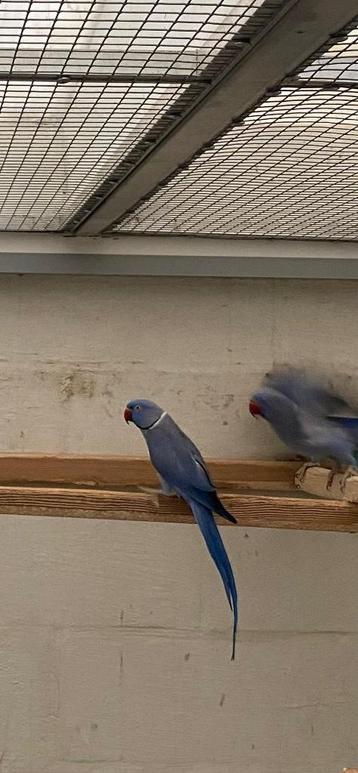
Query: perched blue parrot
(307, 417)
(182, 471)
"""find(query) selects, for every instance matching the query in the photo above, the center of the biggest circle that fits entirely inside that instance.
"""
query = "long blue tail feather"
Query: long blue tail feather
(215, 545)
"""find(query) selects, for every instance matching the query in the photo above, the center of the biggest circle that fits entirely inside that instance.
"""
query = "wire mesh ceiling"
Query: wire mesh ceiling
(339, 62)
(86, 86)
(288, 169)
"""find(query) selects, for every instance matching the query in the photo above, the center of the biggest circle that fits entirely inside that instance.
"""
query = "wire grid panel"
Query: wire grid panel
(338, 62)
(57, 141)
(108, 37)
(83, 84)
(289, 169)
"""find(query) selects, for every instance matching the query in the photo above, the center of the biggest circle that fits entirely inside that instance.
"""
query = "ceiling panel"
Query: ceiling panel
(288, 169)
(85, 87)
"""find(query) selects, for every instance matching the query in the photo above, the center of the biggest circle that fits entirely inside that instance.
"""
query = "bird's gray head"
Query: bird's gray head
(269, 404)
(143, 413)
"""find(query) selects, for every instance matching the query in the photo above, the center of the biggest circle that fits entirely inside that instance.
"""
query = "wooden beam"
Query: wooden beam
(136, 471)
(274, 512)
(109, 487)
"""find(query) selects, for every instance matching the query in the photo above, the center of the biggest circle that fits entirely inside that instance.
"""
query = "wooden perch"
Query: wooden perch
(264, 511)
(260, 493)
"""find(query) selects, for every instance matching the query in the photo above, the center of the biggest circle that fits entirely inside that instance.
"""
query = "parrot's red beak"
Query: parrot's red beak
(254, 409)
(128, 415)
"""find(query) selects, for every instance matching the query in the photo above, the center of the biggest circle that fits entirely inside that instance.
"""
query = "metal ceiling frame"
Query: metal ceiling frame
(294, 35)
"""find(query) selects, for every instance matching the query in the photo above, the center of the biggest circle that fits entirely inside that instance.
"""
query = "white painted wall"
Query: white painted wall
(115, 637)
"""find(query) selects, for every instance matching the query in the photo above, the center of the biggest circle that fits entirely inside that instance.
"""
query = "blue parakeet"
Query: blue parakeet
(182, 471)
(307, 417)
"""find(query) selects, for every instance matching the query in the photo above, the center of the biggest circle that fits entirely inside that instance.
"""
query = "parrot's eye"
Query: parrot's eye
(137, 408)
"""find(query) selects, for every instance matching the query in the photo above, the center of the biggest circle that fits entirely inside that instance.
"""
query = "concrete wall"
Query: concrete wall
(115, 637)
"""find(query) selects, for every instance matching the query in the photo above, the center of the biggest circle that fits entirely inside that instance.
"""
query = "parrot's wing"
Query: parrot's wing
(328, 439)
(206, 497)
(180, 464)
(315, 429)
(347, 423)
(350, 422)
(306, 391)
(200, 471)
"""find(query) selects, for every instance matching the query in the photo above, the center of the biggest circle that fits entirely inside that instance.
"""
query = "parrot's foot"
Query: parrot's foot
(330, 479)
(350, 471)
(300, 474)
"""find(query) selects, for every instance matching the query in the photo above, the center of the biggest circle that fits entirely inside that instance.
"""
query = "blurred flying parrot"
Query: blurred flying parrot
(308, 418)
(182, 471)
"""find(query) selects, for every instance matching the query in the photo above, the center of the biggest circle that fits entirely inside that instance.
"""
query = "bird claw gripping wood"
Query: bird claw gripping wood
(300, 474)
